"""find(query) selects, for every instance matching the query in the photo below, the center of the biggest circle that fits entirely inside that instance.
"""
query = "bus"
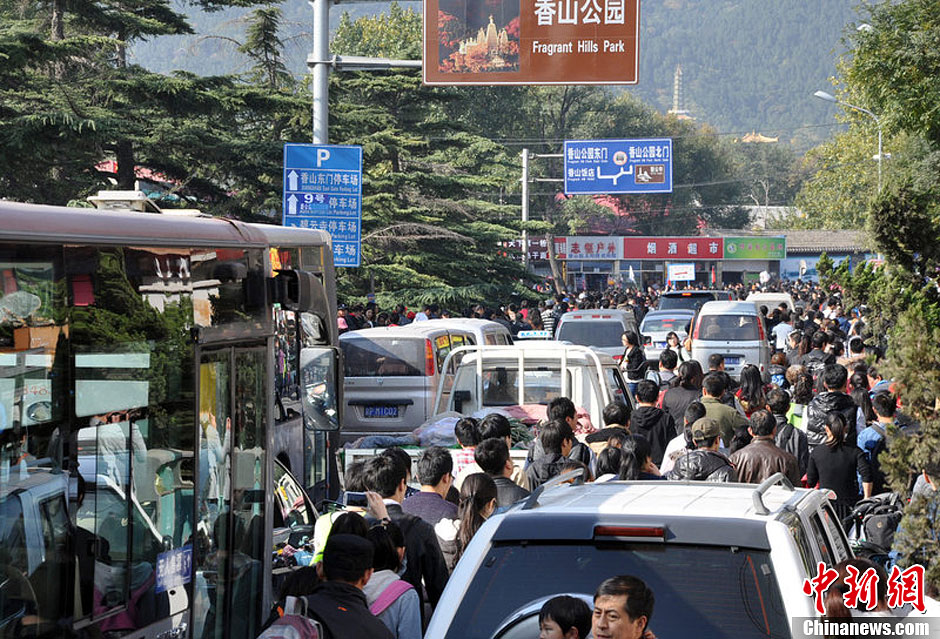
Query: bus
(161, 379)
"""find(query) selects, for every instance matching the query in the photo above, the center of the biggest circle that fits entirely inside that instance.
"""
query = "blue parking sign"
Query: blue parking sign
(323, 190)
(618, 166)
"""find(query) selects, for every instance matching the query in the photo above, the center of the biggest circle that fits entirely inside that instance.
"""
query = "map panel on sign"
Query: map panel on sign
(618, 166)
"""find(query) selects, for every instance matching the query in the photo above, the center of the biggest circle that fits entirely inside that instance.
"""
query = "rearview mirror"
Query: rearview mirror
(320, 388)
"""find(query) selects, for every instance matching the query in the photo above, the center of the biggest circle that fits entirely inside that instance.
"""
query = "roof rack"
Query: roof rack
(767, 484)
(533, 500)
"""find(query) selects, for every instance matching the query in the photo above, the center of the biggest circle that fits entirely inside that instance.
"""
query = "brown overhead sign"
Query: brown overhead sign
(531, 41)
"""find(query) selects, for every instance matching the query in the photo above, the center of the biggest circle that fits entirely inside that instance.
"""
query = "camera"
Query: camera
(357, 500)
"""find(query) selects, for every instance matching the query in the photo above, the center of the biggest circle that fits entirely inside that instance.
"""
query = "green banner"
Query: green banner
(755, 248)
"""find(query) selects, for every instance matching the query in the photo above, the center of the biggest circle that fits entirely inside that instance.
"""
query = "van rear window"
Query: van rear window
(591, 333)
(384, 357)
(736, 328)
(720, 592)
(665, 324)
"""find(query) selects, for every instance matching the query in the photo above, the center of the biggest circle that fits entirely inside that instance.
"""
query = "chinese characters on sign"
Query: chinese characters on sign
(618, 166)
(904, 587)
(672, 248)
(323, 190)
(531, 42)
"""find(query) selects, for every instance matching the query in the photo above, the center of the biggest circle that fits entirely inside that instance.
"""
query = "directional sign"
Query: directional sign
(323, 190)
(618, 166)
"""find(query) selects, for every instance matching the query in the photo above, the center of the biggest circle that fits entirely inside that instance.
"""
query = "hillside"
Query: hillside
(747, 64)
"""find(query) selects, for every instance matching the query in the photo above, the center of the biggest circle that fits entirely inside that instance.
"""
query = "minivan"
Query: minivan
(393, 373)
(736, 331)
(600, 328)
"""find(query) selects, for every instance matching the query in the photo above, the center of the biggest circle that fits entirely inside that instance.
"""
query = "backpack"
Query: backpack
(293, 624)
(874, 521)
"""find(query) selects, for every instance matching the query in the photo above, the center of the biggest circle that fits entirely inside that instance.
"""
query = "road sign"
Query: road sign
(618, 166)
(538, 42)
(323, 190)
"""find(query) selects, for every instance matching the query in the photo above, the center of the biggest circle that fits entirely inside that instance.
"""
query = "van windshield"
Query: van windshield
(720, 592)
(736, 328)
(383, 357)
(591, 333)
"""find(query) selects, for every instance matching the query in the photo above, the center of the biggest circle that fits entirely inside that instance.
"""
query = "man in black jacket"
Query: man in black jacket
(653, 423)
(833, 399)
(492, 456)
(788, 437)
(704, 463)
(386, 476)
(339, 603)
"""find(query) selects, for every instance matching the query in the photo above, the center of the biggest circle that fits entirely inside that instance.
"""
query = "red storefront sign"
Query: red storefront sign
(673, 248)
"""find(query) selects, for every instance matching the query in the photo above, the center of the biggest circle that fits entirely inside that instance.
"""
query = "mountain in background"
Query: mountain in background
(748, 65)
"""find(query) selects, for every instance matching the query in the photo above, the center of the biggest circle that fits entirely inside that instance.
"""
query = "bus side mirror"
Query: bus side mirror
(320, 387)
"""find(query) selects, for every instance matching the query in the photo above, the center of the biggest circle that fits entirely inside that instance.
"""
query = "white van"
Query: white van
(771, 301)
(393, 373)
(736, 331)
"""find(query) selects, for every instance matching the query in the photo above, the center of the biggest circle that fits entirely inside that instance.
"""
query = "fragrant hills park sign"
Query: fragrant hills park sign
(531, 41)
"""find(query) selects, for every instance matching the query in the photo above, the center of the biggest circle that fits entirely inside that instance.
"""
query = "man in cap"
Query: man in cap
(339, 603)
(705, 463)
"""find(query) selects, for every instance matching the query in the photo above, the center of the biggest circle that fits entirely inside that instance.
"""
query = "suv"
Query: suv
(600, 329)
(727, 560)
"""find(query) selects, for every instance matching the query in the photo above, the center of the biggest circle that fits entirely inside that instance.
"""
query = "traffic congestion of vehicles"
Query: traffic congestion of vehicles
(193, 454)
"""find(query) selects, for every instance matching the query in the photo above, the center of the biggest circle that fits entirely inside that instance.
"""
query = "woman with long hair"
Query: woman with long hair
(751, 392)
(674, 344)
(390, 598)
(837, 463)
(636, 459)
(688, 389)
(802, 395)
(477, 504)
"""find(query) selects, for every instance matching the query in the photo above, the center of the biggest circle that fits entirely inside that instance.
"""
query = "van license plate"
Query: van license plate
(733, 361)
(381, 411)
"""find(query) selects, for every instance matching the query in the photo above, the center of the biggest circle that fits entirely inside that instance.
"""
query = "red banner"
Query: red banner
(673, 248)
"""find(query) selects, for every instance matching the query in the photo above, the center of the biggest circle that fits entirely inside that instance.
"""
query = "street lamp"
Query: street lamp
(822, 95)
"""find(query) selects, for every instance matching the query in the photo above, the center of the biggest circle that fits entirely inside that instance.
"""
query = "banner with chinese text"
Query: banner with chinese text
(673, 248)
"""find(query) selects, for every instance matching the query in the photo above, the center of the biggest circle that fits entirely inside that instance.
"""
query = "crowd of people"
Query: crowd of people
(822, 417)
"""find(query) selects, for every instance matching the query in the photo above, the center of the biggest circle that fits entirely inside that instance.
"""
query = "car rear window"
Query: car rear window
(735, 328)
(689, 301)
(717, 591)
(384, 357)
(665, 324)
(591, 333)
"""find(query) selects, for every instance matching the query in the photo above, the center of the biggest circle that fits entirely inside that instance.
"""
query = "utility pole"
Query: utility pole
(525, 208)
(320, 62)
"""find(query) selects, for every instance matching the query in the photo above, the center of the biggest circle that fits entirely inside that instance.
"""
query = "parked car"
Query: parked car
(393, 373)
(690, 300)
(657, 324)
(532, 373)
(601, 329)
(727, 560)
(736, 331)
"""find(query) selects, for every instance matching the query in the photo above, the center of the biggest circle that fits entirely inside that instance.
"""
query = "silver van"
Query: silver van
(599, 328)
(736, 331)
(393, 373)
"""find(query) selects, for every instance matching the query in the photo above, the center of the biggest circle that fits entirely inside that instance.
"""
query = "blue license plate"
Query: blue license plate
(660, 344)
(381, 411)
(733, 361)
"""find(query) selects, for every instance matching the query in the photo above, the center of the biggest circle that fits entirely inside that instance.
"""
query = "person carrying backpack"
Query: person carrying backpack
(392, 599)
(873, 440)
(833, 400)
(339, 604)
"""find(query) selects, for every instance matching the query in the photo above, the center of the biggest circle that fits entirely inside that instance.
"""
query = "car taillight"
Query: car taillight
(618, 358)
(760, 329)
(428, 358)
(698, 323)
(630, 532)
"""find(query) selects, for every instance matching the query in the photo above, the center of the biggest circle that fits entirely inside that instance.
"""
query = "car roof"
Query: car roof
(718, 307)
(690, 512)
(676, 312)
(539, 350)
(597, 313)
(421, 329)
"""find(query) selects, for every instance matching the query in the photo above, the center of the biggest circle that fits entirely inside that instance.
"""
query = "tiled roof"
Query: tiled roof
(809, 241)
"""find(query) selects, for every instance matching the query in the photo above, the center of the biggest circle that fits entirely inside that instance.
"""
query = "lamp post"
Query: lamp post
(822, 95)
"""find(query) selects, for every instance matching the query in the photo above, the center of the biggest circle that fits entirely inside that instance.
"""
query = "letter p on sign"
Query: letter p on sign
(322, 156)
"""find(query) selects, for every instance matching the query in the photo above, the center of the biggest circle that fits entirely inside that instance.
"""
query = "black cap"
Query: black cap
(347, 557)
